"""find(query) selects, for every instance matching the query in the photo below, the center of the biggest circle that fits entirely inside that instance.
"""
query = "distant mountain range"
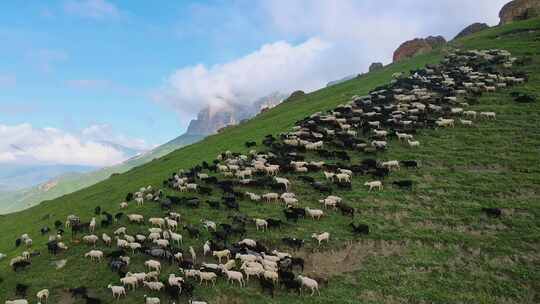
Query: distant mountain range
(23, 187)
(33, 184)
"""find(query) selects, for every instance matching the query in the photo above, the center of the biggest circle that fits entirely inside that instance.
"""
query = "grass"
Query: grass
(431, 245)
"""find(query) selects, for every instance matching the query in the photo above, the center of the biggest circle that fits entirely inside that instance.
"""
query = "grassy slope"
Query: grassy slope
(25, 198)
(432, 244)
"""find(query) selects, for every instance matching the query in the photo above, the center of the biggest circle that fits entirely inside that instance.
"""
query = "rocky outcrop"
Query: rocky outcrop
(209, 120)
(519, 10)
(471, 29)
(375, 66)
(418, 46)
(295, 95)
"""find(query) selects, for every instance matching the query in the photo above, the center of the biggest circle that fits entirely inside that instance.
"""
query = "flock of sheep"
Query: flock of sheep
(433, 97)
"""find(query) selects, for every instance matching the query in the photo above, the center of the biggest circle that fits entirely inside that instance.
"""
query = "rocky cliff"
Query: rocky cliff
(209, 121)
(519, 10)
(375, 66)
(471, 29)
(418, 46)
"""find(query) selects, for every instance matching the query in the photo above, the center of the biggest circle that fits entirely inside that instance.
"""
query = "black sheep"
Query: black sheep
(267, 284)
(20, 265)
(80, 291)
(409, 163)
(213, 204)
(90, 300)
(21, 289)
(360, 228)
(404, 184)
(346, 209)
(492, 212)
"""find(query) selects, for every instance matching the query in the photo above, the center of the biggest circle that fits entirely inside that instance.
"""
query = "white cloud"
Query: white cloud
(341, 38)
(26, 144)
(93, 9)
(274, 67)
(105, 133)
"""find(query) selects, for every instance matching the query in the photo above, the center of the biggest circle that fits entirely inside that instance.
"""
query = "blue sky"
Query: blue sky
(135, 72)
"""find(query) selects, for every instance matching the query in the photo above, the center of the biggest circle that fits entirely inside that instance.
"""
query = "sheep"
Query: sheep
(260, 223)
(190, 273)
(156, 221)
(209, 224)
(125, 259)
(235, 276)
(252, 271)
(328, 203)
(290, 201)
(374, 184)
(129, 282)
(134, 246)
(207, 276)
(121, 230)
(120, 243)
(151, 300)
(413, 143)
(206, 248)
(197, 302)
(314, 213)
(270, 197)
(325, 236)
(28, 242)
(229, 265)
(106, 239)
(135, 218)
(248, 242)
(153, 265)
(343, 177)
(466, 122)
(2, 256)
(192, 253)
(223, 253)
(470, 114)
(162, 243)
(154, 286)
(488, 115)
(175, 281)
(284, 181)
(43, 295)
(91, 239)
(329, 175)
(271, 275)
(123, 205)
(117, 291)
(380, 133)
(176, 237)
(254, 197)
(191, 186)
(309, 283)
(92, 225)
(392, 164)
(19, 301)
(94, 255)
(139, 201)
(246, 257)
(441, 122)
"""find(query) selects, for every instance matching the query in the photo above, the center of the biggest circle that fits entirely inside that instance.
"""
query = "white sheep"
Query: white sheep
(162, 243)
(153, 265)
(106, 239)
(309, 283)
(325, 236)
(252, 271)
(130, 281)
(117, 291)
(222, 253)
(207, 277)
(151, 300)
(392, 164)
(18, 301)
(206, 248)
(94, 255)
(342, 177)
(123, 205)
(261, 223)
(192, 253)
(174, 280)
(154, 286)
(92, 225)
(135, 218)
(374, 184)
(139, 201)
(488, 115)
(197, 302)
(314, 213)
(121, 230)
(90, 239)
(157, 221)
(254, 197)
(271, 197)
(284, 181)
(43, 295)
(176, 237)
(466, 122)
(209, 224)
(235, 276)
(134, 246)
(414, 143)
(248, 242)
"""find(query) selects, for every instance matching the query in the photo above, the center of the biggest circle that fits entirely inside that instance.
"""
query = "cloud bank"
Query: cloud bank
(340, 38)
(25, 144)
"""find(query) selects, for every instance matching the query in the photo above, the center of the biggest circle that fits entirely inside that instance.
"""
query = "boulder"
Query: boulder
(471, 29)
(418, 46)
(375, 66)
(519, 10)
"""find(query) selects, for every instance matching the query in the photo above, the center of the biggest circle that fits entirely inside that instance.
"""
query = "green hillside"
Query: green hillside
(21, 199)
(430, 245)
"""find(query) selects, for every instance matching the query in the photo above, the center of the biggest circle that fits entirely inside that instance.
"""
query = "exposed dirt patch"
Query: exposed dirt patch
(348, 258)
(65, 298)
(227, 299)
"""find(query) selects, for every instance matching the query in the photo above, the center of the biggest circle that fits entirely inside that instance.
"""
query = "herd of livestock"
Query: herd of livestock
(316, 153)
